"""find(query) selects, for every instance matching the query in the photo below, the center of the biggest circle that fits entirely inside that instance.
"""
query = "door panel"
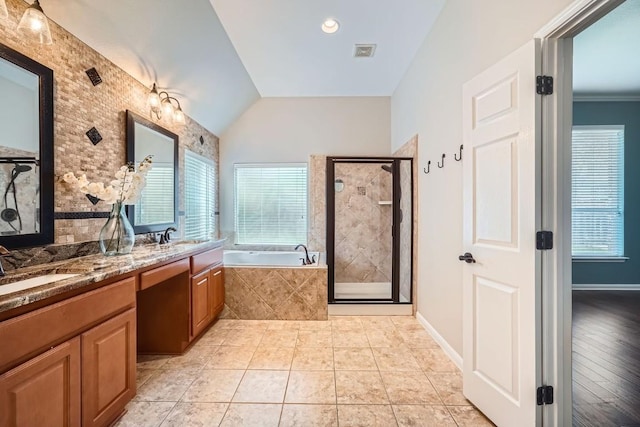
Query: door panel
(201, 302)
(108, 369)
(501, 195)
(44, 391)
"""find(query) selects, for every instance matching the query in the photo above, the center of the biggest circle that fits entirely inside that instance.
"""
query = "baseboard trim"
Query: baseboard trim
(604, 287)
(449, 351)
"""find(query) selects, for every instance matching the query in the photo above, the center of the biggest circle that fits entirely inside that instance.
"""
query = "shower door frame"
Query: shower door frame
(395, 230)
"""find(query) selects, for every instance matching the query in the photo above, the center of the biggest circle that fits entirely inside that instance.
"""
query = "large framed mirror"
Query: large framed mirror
(157, 208)
(26, 151)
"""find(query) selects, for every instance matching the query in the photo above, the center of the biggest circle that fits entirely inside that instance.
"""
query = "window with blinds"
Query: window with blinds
(271, 204)
(199, 193)
(597, 191)
(159, 183)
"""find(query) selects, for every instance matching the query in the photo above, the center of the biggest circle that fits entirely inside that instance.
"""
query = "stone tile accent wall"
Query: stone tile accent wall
(275, 293)
(79, 106)
(317, 203)
(362, 225)
(410, 149)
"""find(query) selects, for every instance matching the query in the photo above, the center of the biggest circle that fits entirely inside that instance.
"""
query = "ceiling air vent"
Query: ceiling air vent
(364, 50)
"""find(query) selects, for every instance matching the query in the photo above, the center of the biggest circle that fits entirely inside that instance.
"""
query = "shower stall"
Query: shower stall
(370, 230)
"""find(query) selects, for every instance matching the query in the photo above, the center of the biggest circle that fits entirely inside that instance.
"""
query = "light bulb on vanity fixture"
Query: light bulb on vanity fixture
(35, 23)
(161, 103)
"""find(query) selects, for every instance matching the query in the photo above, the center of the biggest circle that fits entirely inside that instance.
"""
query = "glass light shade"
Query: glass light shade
(154, 99)
(167, 108)
(35, 23)
(4, 13)
(178, 116)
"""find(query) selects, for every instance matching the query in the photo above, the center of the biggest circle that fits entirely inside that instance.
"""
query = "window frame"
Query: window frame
(619, 257)
(212, 202)
(267, 165)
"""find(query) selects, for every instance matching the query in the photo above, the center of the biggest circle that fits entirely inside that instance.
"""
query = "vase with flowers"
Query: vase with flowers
(117, 236)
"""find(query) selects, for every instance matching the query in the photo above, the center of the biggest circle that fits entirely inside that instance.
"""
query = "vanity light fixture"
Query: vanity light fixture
(35, 23)
(161, 103)
(4, 13)
(330, 26)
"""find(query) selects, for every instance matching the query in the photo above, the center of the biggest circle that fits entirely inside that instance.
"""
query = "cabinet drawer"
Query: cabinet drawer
(33, 332)
(205, 259)
(160, 274)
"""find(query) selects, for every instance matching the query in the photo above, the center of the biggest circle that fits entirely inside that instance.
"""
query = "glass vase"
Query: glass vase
(117, 236)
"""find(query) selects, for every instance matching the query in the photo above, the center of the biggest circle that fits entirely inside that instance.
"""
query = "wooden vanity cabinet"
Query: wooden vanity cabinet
(71, 363)
(45, 391)
(201, 298)
(108, 369)
(207, 289)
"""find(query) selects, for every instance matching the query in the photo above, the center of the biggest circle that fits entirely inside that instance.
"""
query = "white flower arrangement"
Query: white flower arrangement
(126, 188)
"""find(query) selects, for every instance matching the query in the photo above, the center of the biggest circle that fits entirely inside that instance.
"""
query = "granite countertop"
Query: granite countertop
(92, 269)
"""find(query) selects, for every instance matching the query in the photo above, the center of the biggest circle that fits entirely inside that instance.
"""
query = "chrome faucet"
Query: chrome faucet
(306, 260)
(3, 252)
(166, 236)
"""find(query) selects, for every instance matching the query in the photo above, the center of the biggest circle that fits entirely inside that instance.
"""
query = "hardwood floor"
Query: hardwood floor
(606, 358)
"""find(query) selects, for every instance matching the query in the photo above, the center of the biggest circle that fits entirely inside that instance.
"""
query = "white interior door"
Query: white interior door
(501, 198)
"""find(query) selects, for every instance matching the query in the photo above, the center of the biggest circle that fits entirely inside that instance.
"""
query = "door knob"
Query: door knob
(467, 257)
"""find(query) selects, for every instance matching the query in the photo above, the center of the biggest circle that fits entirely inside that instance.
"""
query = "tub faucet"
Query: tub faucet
(306, 260)
(3, 252)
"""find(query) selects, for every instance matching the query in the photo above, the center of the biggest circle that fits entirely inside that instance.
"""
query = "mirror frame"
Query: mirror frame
(45, 109)
(132, 119)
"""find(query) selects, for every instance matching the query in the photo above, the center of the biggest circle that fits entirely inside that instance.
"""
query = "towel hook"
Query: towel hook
(426, 170)
(460, 157)
(439, 165)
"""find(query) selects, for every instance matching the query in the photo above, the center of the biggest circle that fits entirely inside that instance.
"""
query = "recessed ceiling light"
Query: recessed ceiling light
(330, 26)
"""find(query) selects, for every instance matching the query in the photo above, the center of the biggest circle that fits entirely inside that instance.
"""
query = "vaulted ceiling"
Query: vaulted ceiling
(220, 56)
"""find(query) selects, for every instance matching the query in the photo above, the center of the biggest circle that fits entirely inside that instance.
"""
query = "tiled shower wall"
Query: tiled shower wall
(79, 106)
(363, 223)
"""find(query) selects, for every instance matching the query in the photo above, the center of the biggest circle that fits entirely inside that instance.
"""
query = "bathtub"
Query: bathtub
(267, 285)
(267, 259)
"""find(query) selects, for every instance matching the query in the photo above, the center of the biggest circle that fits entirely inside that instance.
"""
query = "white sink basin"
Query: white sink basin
(33, 282)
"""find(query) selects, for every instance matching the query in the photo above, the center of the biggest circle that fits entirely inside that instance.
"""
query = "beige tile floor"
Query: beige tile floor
(347, 371)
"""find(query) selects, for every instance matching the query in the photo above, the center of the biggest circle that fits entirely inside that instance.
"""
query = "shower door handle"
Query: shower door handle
(467, 257)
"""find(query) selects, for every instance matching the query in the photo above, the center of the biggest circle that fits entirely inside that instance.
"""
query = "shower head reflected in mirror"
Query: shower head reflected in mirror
(21, 168)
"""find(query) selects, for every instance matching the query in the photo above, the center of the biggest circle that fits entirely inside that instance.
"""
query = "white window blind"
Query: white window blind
(597, 191)
(157, 196)
(199, 192)
(271, 203)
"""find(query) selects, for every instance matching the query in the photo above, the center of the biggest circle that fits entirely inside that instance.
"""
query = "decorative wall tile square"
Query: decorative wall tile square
(94, 136)
(93, 75)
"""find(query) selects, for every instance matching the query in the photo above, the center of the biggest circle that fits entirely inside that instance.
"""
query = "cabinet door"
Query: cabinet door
(217, 279)
(45, 391)
(108, 369)
(201, 297)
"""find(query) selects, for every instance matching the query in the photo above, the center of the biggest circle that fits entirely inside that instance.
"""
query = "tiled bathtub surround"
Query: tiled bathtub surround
(350, 371)
(276, 293)
(79, 106)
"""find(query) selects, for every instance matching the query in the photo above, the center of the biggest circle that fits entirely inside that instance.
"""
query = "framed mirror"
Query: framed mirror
(26, 151)
(157, 208)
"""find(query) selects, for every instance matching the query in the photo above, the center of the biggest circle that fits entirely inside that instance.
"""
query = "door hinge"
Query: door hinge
(544, 240)
(544, 85)
(544, 395)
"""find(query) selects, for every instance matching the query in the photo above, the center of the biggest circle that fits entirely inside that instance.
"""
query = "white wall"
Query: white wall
(291, 129)
(467, 38)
